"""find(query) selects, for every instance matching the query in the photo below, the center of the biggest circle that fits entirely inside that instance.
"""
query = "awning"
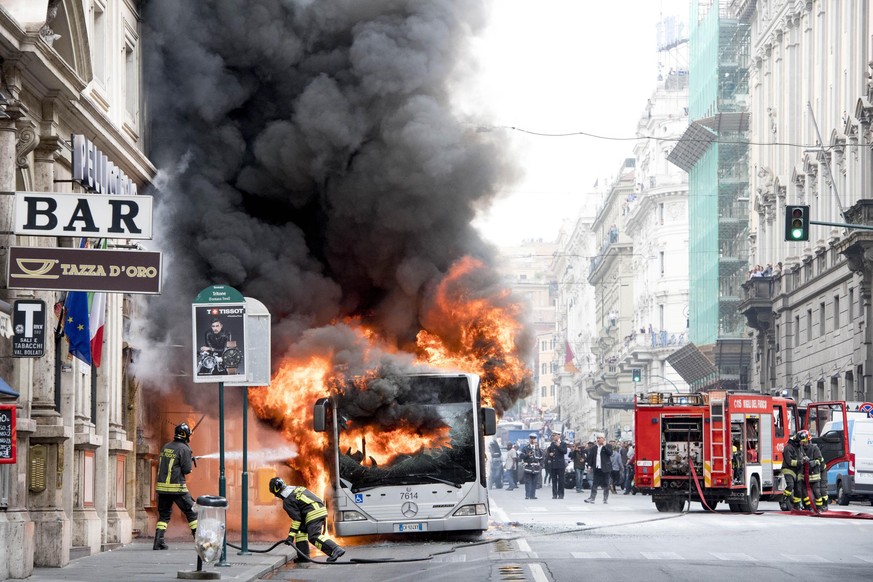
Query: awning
(6, 389)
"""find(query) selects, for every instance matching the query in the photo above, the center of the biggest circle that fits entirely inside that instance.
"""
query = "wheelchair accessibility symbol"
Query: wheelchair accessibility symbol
(359, 497)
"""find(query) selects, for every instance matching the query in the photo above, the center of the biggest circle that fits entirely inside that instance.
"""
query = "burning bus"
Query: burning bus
(423, 470)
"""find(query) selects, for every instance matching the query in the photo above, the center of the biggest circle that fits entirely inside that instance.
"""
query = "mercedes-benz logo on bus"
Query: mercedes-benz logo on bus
(409, 509)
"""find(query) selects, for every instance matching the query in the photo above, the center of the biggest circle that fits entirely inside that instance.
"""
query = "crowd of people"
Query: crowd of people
(561, 465)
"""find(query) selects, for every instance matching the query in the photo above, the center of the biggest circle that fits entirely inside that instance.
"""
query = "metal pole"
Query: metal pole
(222, 489)
(244, 546)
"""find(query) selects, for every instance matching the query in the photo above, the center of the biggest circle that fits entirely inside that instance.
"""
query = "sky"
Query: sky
(564, 66)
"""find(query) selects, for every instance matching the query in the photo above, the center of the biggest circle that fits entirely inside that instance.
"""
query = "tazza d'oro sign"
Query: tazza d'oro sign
(68, 269)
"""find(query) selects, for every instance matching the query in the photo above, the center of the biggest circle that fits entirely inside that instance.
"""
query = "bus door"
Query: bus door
(833, 443)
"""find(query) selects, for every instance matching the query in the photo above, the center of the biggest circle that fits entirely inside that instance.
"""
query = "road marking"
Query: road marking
(536, 571)
(590, 555)
(734, 557)
(805, 558)
(865, 559)
(523, 546)
(662, 556)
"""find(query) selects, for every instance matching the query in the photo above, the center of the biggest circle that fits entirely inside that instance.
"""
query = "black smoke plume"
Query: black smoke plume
(309, 155)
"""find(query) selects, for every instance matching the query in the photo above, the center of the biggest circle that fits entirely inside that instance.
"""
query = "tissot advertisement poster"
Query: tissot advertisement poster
(219, 343)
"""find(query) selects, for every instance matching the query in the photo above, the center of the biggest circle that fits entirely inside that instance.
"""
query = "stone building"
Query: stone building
(812, 97)
(67, 67)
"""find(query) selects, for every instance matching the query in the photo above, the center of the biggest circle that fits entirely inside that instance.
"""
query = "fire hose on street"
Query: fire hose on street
(812, 512)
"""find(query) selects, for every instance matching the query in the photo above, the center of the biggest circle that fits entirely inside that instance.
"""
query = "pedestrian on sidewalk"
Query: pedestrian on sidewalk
(600, 459)
(175, 462)
(308, 514)
(577, 455)
(617, 466)
(510, 461)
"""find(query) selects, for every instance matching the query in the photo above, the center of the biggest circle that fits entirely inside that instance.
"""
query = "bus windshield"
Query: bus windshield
(437, 444)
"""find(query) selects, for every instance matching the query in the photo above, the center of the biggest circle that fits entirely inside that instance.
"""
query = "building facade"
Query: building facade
(657, 221)
(812, 95)
(67, 67)
(575, 325)
(610, 272)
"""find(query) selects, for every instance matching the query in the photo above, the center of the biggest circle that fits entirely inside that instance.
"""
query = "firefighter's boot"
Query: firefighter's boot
(302, 548)
(159, 541)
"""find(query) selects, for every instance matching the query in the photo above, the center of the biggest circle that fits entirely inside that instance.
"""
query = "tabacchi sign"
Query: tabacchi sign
(67, 269)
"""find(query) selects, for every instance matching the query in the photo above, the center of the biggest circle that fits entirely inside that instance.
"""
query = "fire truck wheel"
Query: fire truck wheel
(750, 505)
(670, 505)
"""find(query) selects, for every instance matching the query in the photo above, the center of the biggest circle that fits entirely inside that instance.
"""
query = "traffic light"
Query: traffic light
(637, 375)
(797, 223)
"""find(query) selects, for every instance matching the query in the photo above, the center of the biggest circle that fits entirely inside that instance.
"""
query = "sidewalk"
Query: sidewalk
(137, 561)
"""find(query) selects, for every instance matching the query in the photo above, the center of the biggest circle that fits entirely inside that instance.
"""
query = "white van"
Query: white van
(853, 479)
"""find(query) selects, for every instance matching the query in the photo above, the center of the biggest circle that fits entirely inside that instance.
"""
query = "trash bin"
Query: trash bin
(209, 539)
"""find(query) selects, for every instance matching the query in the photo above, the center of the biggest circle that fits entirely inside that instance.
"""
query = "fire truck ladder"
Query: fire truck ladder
(717, 444)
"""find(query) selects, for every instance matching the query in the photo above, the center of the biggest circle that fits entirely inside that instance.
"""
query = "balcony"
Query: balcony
(757, 305)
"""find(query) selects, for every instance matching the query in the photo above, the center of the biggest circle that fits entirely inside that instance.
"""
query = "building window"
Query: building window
(661, 214)
(131, 79)
(809, 325)
(98, 42)
(835, 389)
(836, 312)
(851, 305)
(544, 368)
(821, 319)
(822, 263)
(661, 261)
(553, 390)
(778, 337)
(543, 391)
(796, 330)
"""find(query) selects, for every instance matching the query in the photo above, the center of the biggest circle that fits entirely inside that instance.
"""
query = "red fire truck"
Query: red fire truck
(720, 446)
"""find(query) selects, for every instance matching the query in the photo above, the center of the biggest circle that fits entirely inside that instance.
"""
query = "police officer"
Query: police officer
(816, 464)
(307, 513)
(176, 461)
(792, 470)
(532, 458)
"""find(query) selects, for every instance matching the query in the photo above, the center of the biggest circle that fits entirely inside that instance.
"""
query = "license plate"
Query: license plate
(407, 527)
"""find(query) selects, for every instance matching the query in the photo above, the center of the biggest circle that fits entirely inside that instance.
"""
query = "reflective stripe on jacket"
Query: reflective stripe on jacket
(303, 507)
(174, 464)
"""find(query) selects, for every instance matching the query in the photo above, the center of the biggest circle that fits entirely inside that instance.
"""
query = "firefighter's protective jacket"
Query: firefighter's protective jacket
(792, 456)
(814, 454)
(302, 506)
(175, 463)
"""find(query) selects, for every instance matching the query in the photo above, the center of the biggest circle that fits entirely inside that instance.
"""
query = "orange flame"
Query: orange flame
(465, 330)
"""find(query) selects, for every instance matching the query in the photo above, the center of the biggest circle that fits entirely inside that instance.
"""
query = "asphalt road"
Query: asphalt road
(627, 539)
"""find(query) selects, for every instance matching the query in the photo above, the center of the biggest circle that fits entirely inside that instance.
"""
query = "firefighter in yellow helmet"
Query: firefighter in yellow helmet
(818, 495)
(176, 461)
(792, 471)
(307, 513)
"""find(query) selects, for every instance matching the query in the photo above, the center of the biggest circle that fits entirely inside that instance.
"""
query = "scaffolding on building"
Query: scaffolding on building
(714, 151)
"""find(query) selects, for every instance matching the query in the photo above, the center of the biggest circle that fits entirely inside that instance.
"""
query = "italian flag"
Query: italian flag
(96, 321)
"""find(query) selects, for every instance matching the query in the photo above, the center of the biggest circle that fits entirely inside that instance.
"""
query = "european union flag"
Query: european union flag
(76, 325)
